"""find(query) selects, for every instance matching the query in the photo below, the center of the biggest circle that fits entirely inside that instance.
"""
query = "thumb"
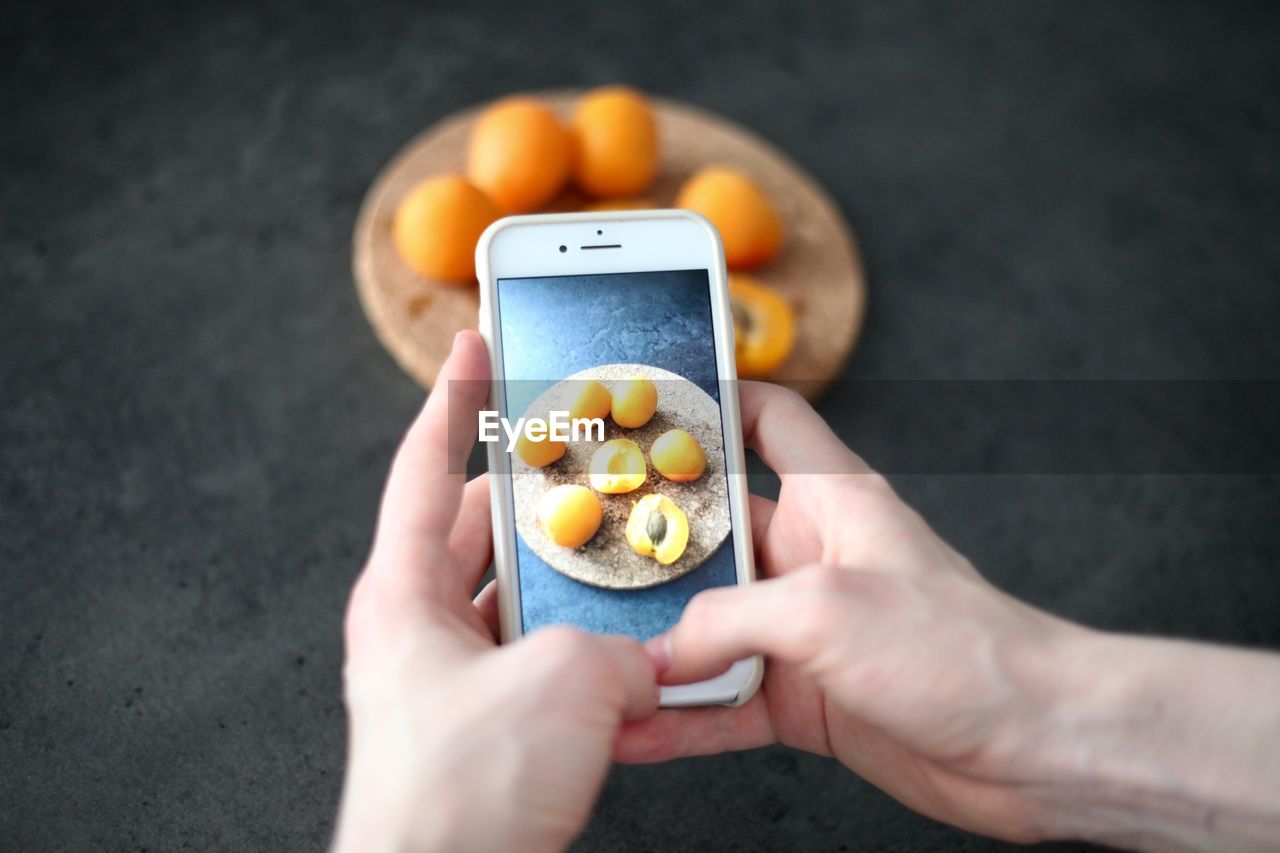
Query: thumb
(794, 618)
(611, 668)
(627, 664)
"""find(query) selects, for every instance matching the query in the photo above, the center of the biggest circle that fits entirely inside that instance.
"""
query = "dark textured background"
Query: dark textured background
(195, 418)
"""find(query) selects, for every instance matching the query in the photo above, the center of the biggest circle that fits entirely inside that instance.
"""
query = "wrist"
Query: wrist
(1090, 697)
(1145, 743)
(389, 805)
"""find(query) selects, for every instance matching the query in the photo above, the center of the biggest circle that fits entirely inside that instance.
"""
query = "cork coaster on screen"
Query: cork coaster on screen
(607, 560)
(819, 271)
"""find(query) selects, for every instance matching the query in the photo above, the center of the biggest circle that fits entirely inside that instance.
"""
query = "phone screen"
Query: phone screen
(598, 345)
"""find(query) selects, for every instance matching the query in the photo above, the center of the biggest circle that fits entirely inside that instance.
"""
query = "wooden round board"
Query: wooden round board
(607, 560)
(819, 271)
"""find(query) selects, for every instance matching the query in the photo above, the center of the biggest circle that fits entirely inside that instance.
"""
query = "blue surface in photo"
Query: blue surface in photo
(554, 327)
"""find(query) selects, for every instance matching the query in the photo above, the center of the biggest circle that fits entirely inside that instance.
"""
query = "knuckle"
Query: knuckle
(789, 402)
(870, 501)
(788, 397)
(866, 492)
(362, 609)
(874, 482)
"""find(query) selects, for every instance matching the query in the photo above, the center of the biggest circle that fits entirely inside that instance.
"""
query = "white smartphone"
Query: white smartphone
(620, 324)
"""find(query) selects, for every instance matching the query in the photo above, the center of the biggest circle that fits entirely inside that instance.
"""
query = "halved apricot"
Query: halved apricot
(617, 467)
(763, 327)
(658, 528)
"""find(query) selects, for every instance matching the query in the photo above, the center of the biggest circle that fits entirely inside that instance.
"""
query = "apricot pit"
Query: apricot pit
(658, 528)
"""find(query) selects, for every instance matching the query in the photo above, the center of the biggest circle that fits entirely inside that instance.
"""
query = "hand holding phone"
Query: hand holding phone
(454, 740)
(888, 651)
(894, 656)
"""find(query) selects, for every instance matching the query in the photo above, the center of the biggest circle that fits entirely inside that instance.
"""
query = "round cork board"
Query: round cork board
(607, 560)
(819, 271)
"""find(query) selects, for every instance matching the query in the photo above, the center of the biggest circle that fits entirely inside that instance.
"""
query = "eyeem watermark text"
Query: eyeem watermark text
(557, 427)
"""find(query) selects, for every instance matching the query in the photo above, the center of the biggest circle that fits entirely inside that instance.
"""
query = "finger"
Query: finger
(789, 435)
(762, 510)
(426, 480)
(678, 733)
(633, 672)
(611, 669)
(471, 541)
(795, 618)
(486, 605)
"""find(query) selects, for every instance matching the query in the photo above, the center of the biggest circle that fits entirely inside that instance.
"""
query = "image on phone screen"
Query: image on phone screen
(637, 349)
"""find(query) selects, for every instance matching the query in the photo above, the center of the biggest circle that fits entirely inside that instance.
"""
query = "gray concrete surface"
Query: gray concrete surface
(195, 418)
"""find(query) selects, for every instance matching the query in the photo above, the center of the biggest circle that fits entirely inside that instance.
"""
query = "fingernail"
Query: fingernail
(456, 337)
(659, 650)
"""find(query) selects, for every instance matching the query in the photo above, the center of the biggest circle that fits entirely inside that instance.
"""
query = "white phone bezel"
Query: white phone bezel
(645, 241)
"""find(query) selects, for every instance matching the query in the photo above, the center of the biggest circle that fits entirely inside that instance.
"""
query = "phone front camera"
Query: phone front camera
(564, 248)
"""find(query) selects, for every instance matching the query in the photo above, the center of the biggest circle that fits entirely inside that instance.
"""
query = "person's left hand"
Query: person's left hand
(455, 743)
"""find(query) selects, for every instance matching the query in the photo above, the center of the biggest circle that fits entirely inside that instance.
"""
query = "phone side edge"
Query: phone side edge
(731, 413)
(501, 499)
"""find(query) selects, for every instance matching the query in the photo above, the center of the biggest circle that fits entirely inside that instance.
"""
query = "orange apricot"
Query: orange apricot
(606, 205)
(658, 528)
(520, 154)
(617, 467)
(615, 143)
(634, 402)
(763, 327)
(677, 456)
(747, 221)
(590, 400)
(569, 515)
(437, 225)
(539, 452)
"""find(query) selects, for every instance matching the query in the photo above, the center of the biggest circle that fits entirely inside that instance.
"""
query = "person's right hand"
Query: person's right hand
(886, 648)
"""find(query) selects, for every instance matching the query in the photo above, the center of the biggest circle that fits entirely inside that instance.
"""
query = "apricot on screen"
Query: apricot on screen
(592, 400)
(634, 402)
(677, 456)
(618, 467)
(569, 515)
(539, 453)
(658, 528)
